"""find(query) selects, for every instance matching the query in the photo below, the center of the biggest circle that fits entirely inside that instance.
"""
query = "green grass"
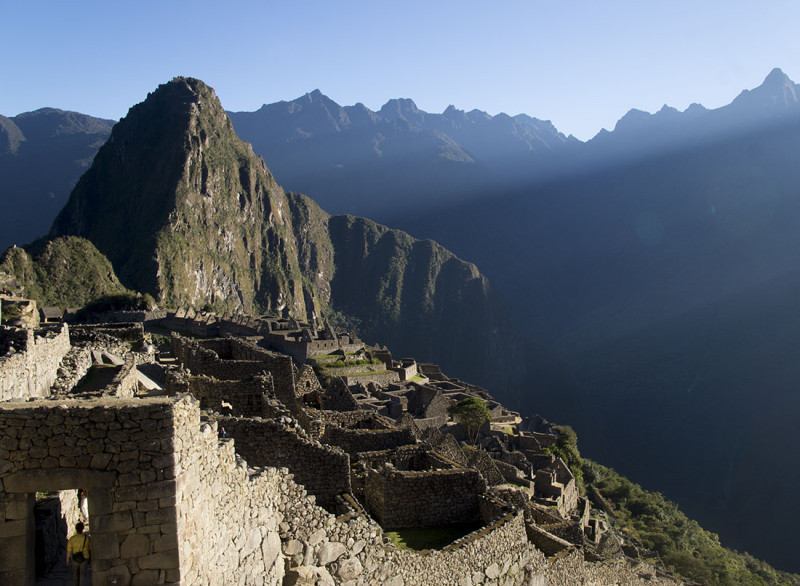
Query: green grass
(348, 363)
(418, 539)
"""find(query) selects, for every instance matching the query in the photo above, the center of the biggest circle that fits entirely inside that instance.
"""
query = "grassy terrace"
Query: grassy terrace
(418, 539)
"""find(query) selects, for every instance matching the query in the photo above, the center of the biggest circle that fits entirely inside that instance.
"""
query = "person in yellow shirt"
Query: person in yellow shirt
(78, 548)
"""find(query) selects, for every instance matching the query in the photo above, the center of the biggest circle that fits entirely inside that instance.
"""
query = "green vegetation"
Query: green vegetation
(344, 363)
(419, 539)
(64, 272)
(470, 413)
(10, 312)
(658, 524)
(566, 448)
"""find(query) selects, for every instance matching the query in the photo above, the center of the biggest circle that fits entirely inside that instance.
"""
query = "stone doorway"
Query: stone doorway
(27, 543)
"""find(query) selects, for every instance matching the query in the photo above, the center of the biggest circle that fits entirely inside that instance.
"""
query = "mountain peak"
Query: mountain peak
(183, 208)
(404, 108)
(776, 79)
(776, 95)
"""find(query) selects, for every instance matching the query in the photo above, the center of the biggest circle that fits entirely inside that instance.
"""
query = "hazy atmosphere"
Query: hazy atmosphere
(575, 221)
(580, 64)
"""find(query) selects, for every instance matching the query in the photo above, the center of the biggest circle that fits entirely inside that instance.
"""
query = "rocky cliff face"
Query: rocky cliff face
(184, 210)
(413, 295)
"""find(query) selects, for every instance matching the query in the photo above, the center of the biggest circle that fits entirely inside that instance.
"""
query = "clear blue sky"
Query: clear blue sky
(580, 63)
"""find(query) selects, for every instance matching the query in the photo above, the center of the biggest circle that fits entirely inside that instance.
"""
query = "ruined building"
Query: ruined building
(219, 455)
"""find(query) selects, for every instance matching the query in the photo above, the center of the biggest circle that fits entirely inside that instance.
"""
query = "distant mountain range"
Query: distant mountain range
(654, 269)
(42, 154)
(185, 211)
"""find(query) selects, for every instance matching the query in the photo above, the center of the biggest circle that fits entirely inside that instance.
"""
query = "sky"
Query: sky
(579, 63)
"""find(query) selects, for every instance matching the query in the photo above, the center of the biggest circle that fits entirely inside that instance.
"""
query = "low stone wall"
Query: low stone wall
(545, 542)
(74, 366)
(31, 368)
(423, 499)
(131, 316)
(323, 471)
(383, 377)
(248, 397)
(354, 441)
(200, 358)
(121, 331)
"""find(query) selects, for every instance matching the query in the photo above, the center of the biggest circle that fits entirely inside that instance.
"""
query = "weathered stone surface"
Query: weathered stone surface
(292, 547)
(135, 546)
(271, 549)
(350, 569)
(160, 561)
(330, 552)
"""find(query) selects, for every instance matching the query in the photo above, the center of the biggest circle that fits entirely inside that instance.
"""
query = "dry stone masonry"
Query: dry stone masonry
(247, 469)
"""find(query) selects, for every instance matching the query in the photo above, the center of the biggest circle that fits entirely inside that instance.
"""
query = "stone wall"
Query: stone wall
(169, 502)
(324, 471)
(383, 377)
(247, 397)
(354, 441)
(122, 453)
(226, 524)
(423, 499)
(201, 358)
(121, 331)
(140, 316)
(30, 369)
(306, 381)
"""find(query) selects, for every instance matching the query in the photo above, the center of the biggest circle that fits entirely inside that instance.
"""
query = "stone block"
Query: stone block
(349, 569)
(330, 552)
(172, 576)
(13, 529)
(165, 543)
(12, 554)
(57, 479)
(160, 561)
(145, 578)
(131, 493)
(99, 502)
(493, 571)
(135, 546)
(271, 549)
(100, 461)
(146, 506)
(165, 488)
(17, 509)
(116, 576)
(252, 543)
(105, 546)
(161, 516)
(292, 547)
(118, 521)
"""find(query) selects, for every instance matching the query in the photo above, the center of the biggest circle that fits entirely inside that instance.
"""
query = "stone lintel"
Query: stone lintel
(53, 479)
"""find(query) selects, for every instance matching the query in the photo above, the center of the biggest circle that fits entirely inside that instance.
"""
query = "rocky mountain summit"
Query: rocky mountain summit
(185, 211)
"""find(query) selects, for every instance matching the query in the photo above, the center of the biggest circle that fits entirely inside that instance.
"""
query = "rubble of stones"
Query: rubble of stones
(353, 425)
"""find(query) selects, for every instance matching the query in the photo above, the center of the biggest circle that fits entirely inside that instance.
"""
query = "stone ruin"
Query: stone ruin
(295, 490)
